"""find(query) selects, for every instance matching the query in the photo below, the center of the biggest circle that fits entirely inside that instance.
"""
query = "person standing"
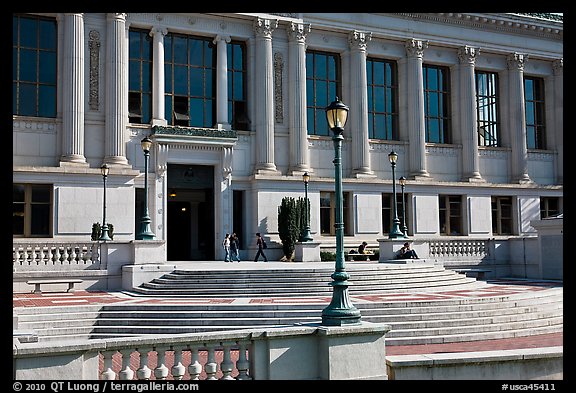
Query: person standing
(261, 246)
(234, 248)
(226, 245)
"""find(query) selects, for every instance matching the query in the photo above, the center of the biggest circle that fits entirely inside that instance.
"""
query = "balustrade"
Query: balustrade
(55, 253)
(452, 248)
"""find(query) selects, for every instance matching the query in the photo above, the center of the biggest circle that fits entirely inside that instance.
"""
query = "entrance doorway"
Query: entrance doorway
(190, 213)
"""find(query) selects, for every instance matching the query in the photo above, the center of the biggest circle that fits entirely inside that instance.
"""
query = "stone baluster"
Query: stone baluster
(55, 254)
(178, 369)
(242, 363)
(211, 366)
(64, 255)
(33, 256)
(161, 371)
(195, 368)
(126, 374)
(143, 371)
(227, 366)
(108, 374)
(73, 255)
(42, 254)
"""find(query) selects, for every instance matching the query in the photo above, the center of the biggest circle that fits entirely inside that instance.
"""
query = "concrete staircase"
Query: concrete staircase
(439, 320)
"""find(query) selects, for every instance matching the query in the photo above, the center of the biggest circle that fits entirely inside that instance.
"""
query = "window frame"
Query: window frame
(28, 210)
(445, 214)
(389, 88)
(388, 211)
(537, 139)
(545, 209)
(346, 219)
(497, 203)
(237, 108)
(315, 108)
(137, 95)
(443, 118)
(493, 108)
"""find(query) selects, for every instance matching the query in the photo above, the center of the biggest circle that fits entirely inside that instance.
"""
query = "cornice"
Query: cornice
(509, 23)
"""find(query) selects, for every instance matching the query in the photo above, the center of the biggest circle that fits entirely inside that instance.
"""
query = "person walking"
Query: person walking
(234, 248)
(261, 246)
(226, 245)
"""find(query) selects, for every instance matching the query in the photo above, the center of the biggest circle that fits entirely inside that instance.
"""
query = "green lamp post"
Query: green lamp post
(402, 182)
(145, 232)
(340, 311)
(104, 169)
(306, 236)
(395, 231)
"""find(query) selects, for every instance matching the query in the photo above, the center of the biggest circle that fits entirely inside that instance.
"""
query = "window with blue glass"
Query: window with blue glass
(322, 87)
(487, 108)
(534, 101)
(140, 76)
(237, 106)
(437, 103)
(382, 99)
(34, 66)
(190, 83)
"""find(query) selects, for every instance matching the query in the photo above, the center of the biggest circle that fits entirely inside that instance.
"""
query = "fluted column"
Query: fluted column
(558, 67)
(73, 90)
(116, 90)
(468, 115)
(299, 153)
(222, 121)
(415, 91)
(518, 117)
(158, 108)
(358, 40)
(264, 90)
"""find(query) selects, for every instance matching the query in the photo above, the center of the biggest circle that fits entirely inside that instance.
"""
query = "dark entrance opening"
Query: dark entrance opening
(190, 209)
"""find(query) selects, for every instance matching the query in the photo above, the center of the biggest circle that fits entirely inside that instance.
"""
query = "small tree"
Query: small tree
(289, 225)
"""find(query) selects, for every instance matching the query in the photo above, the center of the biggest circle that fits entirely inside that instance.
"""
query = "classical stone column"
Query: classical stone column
(73, 90)
(222, 121)
(468, 115)
(415, 92)
(116, 90)
(358, 40)
(517, 117)
(558, 67)
(158, 108)
(299, 153)
(264, 90)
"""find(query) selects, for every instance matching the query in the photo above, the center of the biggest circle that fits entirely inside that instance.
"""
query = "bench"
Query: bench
(478, 273)
(69, 281)
(352, 256)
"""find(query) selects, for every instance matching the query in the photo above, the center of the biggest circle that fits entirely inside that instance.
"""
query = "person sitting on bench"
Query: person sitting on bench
(362, 248)
(407, 253)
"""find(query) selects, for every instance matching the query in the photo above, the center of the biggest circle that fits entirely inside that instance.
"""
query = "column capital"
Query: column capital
(359, 39)
(264, 27)
(468, 54)
(415, 48)
(298, 31)
(558, 66)
(220, 37)
(158, 30)
(117, 15)
(516, 61)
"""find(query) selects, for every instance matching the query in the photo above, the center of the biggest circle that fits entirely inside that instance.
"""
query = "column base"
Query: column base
(523, 179)
(159, 122)
(423, 175)
(299, 171)
(473, 179)
(363, 174)
(74, 160)
(269, 169)
(116, 160)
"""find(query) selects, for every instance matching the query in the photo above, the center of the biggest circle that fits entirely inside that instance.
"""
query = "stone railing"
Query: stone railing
(50, 253)
(459, 248)
(292, 352)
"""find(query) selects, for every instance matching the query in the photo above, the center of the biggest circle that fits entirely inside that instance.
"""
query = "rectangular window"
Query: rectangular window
(501, 215)
(535, 120)
(450, 214)
(237, 105)
(31, 210)
(34, 66)
(322, 87)
(437, 103)
(139, 76)
(549, 206)
(487, 108)
(382, 99)
(190, 81)
(388, 212)
(328, 213)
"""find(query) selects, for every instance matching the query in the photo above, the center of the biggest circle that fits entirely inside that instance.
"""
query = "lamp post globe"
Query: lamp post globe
(145, 232)
(104, 169)
(306, 236)
(340, 311)
(395, 230)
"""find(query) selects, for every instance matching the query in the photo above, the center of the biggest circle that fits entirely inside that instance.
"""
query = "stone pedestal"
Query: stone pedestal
(307, 252)
(390, 247)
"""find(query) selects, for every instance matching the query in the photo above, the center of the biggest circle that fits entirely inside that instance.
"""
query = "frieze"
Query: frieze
(34, 126)
(540, 156)
(443, 150)
(501, 153)
(94, 47)
(191, 131)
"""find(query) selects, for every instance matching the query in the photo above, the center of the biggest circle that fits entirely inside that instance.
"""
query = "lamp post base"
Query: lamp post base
(340, 311)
